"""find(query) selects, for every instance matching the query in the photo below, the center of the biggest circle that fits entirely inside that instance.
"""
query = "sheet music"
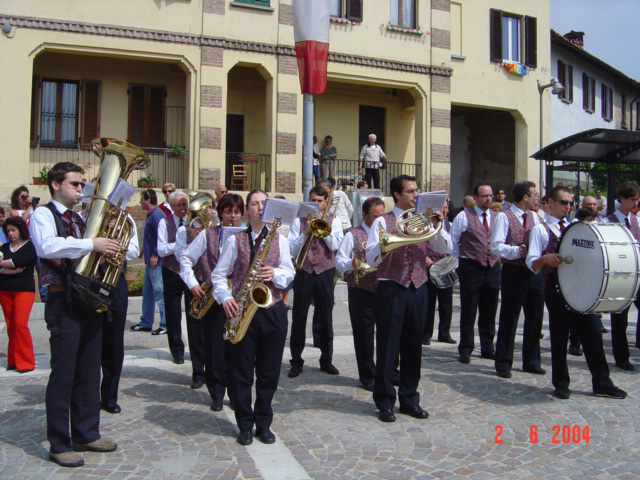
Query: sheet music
(88, 190)
(121, 194)
(285, 210)
(430, 200)
(227, 232)
(309, 208)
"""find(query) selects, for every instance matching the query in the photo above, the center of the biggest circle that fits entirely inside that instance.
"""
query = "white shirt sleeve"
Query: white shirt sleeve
(164, 247)
(538, 241)
(223, 268)
(133, 251)
(190, 256)
(295, 237)
(459, 226)
(283, 274)
(344, 262)
(43, 232)
(441, 243)
(333, 241)
(374, 256)
(499, 236)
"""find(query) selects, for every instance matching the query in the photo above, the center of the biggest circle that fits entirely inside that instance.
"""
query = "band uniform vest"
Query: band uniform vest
(241, 265)
(551, 247)
(635, 228)
(170, 261)
(368, 282)
(475, 241)
(404, 265)
(517, 233)
(207, 262)
(320, 258)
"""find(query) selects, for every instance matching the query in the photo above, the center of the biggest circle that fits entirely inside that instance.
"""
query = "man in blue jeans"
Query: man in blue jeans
(152, 291)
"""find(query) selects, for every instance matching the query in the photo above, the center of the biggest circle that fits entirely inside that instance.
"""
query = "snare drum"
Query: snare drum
(601, 268)
(443, 272)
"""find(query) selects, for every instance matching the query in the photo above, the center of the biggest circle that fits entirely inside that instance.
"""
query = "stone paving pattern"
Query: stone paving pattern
(166, 430)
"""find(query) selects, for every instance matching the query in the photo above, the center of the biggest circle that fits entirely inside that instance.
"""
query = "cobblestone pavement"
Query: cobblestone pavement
(480, 426)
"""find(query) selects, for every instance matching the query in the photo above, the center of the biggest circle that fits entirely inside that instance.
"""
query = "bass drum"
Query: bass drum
(443, 272)
(601, 267)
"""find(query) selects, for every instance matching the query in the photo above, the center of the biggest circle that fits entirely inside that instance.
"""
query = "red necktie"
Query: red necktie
(561, 226)
(484, 221)
(524, 221)
(67, 218)
(180, 223)
(627, 224)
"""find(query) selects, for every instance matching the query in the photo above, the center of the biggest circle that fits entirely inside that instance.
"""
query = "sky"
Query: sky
(610, 29)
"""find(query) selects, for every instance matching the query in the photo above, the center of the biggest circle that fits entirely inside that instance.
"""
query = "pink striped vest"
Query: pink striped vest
(207, 262)
(320, 258)
(368, 282)
(475, 241)
(635, 228)
(516, 234)
(47, 275)
(170, 261)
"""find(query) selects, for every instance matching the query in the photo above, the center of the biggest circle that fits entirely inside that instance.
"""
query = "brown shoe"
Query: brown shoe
(99, 445)
(66, 459)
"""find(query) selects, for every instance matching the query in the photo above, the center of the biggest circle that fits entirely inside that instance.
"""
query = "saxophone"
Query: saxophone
(253, 293)
(199, 207)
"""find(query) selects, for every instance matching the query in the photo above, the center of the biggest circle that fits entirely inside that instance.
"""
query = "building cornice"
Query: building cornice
(207, 41)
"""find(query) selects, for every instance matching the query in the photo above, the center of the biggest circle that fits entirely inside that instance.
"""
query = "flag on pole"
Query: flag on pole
(311, 35)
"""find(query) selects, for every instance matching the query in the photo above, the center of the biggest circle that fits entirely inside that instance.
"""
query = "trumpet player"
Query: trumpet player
(197, 261)
(262, 347)
(314, 281)
(400, 303)
(361, 294)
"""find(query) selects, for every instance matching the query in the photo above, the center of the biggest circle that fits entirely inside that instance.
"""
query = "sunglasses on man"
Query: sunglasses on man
(566, 202)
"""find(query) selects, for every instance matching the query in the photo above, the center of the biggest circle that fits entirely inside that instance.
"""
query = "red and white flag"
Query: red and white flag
(311, 35)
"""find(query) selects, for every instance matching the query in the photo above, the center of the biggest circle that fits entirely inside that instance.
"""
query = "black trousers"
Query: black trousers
(619, 322)
(319, 287)
(444, 298)
(261, 351)
(73, 392)
(216, 352)
(479, 289)
(361, 313)
(589, 327)
(521, 290)
(113, 344)
(372, 177)
(399, 317)
(174, 287)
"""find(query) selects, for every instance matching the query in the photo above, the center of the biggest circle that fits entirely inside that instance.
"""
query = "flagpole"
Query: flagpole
(307, 139)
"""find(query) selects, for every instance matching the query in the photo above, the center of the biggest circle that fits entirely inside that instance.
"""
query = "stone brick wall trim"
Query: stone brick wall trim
(211, 138)
(440, 84)
(443, 5)
(285, 182)
(287, 65)
(286, 143)
(214, 6)
(440, 118)
(440, 38)
(208, 178)
(441, 182)
(287, 103)
(285, 14)
(440, 153)
(211, 96)
(212, 56)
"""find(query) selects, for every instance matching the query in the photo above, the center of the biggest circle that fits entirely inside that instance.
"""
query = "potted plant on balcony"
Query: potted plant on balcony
(175, 150)
(43, 176)
(249, 157)
(148, 181)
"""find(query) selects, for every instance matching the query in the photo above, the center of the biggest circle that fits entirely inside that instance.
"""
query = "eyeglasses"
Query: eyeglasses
(168, 192)
(488, 195)
(24, 197)
(223, 192)
(76, 184)
(566, 202)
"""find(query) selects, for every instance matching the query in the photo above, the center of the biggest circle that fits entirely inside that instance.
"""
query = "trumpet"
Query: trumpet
(413, 228)
(318, 228)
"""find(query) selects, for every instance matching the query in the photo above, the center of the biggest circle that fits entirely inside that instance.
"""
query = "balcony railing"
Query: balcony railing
(348, 174)
(257, 167)
(165, 167)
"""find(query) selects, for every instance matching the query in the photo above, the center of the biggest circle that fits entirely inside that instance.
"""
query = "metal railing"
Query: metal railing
(348, 174)
(164, 167)
(257, 167)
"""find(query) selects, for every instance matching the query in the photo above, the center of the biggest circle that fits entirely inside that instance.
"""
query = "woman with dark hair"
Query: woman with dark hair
(21, 203)
(17, 293)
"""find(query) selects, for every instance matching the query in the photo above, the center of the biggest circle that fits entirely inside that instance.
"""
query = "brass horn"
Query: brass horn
(199, 208)
(413, 228)
(318, 228)
(361, 269)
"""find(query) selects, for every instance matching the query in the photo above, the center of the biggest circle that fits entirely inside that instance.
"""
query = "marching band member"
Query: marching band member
(479, 273)
(521, 288)
(542, 256)
(72, 399)
(400, 303)
(262, 347)
(314, 281)
(197, 261)
(628, 195)
(361, 294)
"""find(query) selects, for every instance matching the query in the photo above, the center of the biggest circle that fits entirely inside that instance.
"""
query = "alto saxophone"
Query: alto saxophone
(253, 293)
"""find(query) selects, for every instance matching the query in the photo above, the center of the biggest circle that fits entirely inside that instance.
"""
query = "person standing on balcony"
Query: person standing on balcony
(167, 189)
(316, 157)
(328, 155)
(373, 157)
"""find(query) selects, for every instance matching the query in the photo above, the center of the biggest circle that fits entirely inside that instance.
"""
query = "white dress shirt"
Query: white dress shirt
(441, 243)
(190, 256)
(460, 224)
(344, 255)
(344, 210)
(282, 274)
(296, 237)
(621, 218)
(539, 240)
(164, 247)
(500, 232)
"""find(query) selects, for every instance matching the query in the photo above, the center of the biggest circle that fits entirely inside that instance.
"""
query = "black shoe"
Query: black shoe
(604, 330)
(139, 328)
(295, 370)
(11, 367)
(265, 436)
(196, 384)
(562, 393)
(504, 373)
(426, 341)
(159, 331)
(26, 370)
(329, 368)
(216, 406)
(541, 336)
(447, 340)
(488, 354)
(611, 392)
(386, 415)
(535, 370)
(626, 366)
(414, 411)
(464, 358)
(368, 386)
(113, 408)
(178, 360)
(575, 351)
(637, 345)
(245, 437)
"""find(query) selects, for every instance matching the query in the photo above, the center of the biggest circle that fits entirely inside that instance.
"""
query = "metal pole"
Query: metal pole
(307, 139)
(541, 172)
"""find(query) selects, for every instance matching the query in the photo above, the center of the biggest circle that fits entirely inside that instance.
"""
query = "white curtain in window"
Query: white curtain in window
(334, 8)
(408, 14)
(511, 38)
(395, 11)
(48, 128)
(69, 109)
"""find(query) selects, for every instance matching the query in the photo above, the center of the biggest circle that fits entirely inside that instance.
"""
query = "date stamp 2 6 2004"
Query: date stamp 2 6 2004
(559, 434)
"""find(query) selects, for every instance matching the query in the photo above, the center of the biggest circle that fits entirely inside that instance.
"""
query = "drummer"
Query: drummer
(541, 256)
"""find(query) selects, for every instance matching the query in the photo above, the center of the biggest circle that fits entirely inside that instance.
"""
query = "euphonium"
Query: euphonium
(118, 160)
(199, 209)
(318, 228)
(253, 293)
(415, 228)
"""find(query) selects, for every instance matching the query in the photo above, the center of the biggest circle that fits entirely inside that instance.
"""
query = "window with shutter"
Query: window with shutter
(35, 108)
(507, 42)
(588, 93)
(565, 77)
(59, 112)
(403, 13)
(146, 115)
(496, 36)
(259, 3)
(354, 10)
(530, 42)
(606, 102)
(90, 111)
(623, 111)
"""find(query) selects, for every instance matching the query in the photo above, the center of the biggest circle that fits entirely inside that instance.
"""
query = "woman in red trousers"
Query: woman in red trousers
(17, 292)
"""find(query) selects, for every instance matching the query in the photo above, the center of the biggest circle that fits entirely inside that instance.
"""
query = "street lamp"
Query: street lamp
(556, 89)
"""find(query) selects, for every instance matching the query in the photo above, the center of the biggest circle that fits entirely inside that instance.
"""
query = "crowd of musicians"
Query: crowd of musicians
(508, 254)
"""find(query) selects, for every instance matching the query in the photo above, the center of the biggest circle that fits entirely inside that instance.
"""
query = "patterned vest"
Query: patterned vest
(207, 262)
(368, 282)
(551, 247)
(516, 234)
(635, 228)
(241, 265)
(475, 241)
(320, 257)
(170, 261)
(405, 265)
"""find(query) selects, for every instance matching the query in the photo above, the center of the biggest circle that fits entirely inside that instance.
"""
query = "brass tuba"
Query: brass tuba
(318, 228)
(413, 228)
(118, 160)
(199, 208)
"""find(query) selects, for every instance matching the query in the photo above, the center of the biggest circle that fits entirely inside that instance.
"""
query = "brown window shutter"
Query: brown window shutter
(585, 91)
(568, 87)
(156, 117)
(136, 115)
(354, 10)
(90, 110)
(530, 42)
(35, 108)
(496, 36)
